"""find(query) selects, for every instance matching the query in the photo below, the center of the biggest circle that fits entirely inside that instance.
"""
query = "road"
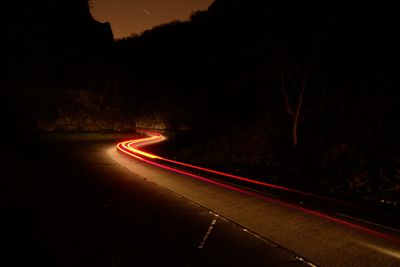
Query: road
(323, 237)
(70, 204)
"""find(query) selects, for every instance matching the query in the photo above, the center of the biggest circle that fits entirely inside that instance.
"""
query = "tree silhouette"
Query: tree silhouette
(293, 108)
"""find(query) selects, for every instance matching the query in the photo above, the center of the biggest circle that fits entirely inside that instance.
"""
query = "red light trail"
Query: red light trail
(131, 148)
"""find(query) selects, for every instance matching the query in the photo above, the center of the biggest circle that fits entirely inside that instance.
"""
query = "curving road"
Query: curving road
(323, 230)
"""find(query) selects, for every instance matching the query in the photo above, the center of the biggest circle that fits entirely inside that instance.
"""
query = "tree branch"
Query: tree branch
(285, 96)
(302, 88)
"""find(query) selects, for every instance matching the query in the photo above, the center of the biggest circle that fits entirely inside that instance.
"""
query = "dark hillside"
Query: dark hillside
(58, 62)
(313, 84)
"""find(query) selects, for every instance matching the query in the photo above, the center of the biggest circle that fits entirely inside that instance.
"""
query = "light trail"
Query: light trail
(131, 148)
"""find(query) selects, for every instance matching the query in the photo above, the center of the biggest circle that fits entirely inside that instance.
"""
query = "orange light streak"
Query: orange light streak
(131, 148)
(133, 145)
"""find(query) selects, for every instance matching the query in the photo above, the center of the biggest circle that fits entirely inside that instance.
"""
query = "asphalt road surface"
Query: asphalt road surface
(322, 239)
(68, 203)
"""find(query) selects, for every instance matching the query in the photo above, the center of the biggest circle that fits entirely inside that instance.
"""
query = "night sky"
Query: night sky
(135, 16)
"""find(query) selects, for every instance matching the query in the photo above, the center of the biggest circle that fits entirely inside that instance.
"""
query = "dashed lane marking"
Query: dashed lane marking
(207, 233)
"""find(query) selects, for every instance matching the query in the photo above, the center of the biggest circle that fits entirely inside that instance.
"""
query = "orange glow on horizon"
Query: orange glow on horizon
(129, 17)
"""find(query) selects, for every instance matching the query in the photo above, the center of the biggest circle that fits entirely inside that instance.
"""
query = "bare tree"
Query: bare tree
(299, 83)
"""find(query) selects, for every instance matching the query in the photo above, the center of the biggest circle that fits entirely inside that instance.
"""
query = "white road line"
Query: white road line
(215, 214)
(257, 236)
(207, 233)
(306, 262)
(274, 245)
(368, 222)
